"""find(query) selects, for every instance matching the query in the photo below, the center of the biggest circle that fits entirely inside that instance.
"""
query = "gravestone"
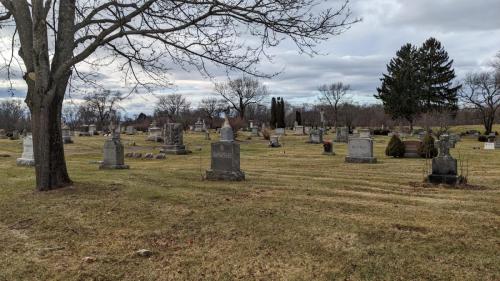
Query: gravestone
(207, 135)
(154, 133)
(328, 148)
(342, 134)
(279, 131)
(3, 135)
(92, 130)
(114, 153)
(130, 130)
(225, 155)
(412, 148)
(83, 131)
(489, 146)
(360, 150)
(299, 130)
(444, 167)
(198, 126)
(174, 140)
(497, 143)
(27, 158)
(66, 134)
(307, 130)
(274, 141)
(316, 136)
(255, 132)
(364, 133)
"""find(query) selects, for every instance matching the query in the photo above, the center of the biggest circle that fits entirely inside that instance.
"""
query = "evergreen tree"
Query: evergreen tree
(400, 87)
(298, 118)
(436, 75)
(273, 113)
(281, 113)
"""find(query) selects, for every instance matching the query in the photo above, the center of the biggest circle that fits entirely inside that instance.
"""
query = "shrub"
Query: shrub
(381, 132)
(428, 149)
(266, 134)
(395, 148)
(482, 138)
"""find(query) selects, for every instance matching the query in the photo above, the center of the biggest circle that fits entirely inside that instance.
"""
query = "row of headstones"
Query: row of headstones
(225, 154)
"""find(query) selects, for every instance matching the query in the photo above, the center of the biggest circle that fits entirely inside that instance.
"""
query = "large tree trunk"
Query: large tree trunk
(48, 148)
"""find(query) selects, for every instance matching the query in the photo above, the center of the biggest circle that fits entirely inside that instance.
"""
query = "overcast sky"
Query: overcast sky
(469, 30)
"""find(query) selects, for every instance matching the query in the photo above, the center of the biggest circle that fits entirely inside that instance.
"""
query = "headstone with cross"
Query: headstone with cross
(444, 166)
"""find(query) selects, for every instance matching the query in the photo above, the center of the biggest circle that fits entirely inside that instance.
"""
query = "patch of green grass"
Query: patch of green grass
(298, 216)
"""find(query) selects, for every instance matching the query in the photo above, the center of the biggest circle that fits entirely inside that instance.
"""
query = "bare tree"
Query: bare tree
(333, 95)
(172, 106)
(70, 115)
(482, 92)
(141, 37)
(103, 105)
(211, 108)
(242, 92)
(12, 115)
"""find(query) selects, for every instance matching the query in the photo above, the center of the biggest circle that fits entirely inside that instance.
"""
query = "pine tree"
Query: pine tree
(273, 113)
(437, 75)
(400, 89)
(281, 113)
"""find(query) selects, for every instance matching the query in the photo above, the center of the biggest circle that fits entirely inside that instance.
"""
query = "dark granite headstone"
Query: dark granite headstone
(444, 167)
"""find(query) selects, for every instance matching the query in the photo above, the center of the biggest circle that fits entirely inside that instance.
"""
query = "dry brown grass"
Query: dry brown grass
(299, 216)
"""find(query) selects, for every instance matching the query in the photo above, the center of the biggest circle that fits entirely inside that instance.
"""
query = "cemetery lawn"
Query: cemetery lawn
(298, 216)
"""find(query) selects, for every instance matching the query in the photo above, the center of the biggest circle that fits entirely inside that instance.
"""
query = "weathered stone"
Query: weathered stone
(274, 141)
(255, 132)
(412, 148)
(444, 167)
(226, 132)
(144, 253)
(27, 158)
(199, 125)
(225, 162)
(130, 130)
(299, 130)
(174, 139)
(279, 131)
(154, 133)
(328, 148)
(92, 130)
(360, 150)
(66, 135)
(114, 156)
(364, 133)
(148, 156)
(342, 134)
(161, 156)
(316, 136)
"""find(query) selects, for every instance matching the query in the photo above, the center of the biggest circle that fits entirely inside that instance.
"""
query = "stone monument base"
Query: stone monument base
(174, 149)
(225, 175)
(25, 162)
(443, 179)
(369, 160)
(113, 167)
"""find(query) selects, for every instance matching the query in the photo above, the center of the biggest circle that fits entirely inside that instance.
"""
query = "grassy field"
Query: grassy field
(298, 216)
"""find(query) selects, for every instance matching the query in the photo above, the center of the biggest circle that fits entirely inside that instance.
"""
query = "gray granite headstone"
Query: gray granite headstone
(342, 134)
(154, 133)
(27, 158)
(360, 150)
(66, 134)
(255, 132)
(174, 139)
(274, 141)
(316, 136)
(299, 130)
(114, 153)
(279, 131)
(225, 155)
